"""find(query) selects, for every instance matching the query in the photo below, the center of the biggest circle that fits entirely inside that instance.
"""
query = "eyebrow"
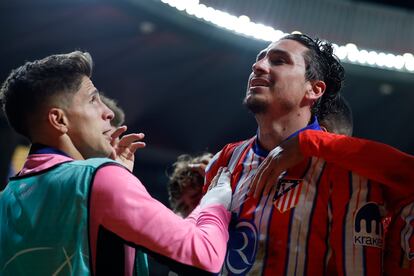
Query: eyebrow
(273, 52)
(93, 92)
(261, 54)
(279, 52)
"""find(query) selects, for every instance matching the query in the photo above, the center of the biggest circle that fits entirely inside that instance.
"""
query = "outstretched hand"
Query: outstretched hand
(124, 148)
(281, 158)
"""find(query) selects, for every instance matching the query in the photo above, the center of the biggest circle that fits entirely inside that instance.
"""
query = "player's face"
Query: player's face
(89, 119)
(277, 82)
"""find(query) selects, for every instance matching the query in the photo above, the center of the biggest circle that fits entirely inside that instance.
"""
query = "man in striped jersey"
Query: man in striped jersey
(317, 218)
(371, 159)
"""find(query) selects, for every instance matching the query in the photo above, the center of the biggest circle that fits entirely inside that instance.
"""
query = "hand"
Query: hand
(219, 191)
(281, 158)
(124, 148)
(201, 167)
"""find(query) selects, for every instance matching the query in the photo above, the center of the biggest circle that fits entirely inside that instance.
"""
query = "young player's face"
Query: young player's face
(89, 119)
(277, 82)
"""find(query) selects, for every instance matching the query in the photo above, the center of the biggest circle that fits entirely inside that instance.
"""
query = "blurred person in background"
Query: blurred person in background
(186, 183)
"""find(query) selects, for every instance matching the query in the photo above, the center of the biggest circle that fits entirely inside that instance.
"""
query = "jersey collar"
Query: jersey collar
(314, 125)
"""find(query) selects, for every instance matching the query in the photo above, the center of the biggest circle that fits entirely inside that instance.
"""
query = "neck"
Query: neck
(272, 131)
(62, 143)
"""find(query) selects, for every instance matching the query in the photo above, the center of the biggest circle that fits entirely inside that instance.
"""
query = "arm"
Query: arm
(373, 160)
(121, 204)
(376, 161)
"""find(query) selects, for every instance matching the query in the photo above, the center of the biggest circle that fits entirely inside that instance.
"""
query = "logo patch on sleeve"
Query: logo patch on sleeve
(367, 226)
(287, 194)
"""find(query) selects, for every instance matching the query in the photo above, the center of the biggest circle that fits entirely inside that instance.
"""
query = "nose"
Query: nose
(260, 67)
(108, 114)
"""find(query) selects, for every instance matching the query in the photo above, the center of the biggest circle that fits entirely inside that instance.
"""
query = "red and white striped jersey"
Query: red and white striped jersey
(318, 219)
(387, 165)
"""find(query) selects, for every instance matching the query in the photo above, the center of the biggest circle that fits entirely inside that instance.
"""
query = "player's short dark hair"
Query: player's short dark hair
(321, 64)
(33, 84)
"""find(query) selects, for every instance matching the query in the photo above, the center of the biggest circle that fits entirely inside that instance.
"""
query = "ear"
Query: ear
(316, 90)
(58, 120)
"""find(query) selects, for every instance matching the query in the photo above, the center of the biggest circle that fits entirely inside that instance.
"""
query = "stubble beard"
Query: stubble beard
(255, 105)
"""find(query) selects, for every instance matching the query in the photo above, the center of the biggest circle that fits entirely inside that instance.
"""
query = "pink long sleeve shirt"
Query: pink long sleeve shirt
(120, 204)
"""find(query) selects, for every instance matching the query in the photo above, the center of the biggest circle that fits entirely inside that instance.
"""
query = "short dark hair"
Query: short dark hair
(33, 84)
(321, 64)
(119, 114)
(337, 116)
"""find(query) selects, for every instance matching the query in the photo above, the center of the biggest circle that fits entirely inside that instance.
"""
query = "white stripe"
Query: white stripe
(236, 156)
(244, 181)
(242, 186)
(262, 220)
(212, 161)
(354, 253)
(286, 201)
(300, 224)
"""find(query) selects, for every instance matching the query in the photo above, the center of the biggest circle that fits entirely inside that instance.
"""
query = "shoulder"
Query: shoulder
(95, 163)
(222, 158)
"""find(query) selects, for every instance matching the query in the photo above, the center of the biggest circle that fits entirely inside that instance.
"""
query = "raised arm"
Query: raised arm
(374, 160)
(370, 159)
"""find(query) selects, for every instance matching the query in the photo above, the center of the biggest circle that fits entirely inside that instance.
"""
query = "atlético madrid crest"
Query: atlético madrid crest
(287, 194)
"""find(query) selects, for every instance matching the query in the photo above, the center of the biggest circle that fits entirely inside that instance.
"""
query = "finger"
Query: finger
(118, 132)
(215, 179)
(128, 139)
(137, 145)
(225, 177)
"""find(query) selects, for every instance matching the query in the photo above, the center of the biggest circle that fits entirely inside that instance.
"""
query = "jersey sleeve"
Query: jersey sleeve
(121, 204)
(373, 160)
(220, 159)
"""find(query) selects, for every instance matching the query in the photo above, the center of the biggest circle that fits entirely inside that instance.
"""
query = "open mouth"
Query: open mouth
(259, 82)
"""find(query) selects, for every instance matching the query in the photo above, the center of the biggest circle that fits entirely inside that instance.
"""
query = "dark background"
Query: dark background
(179, 80)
